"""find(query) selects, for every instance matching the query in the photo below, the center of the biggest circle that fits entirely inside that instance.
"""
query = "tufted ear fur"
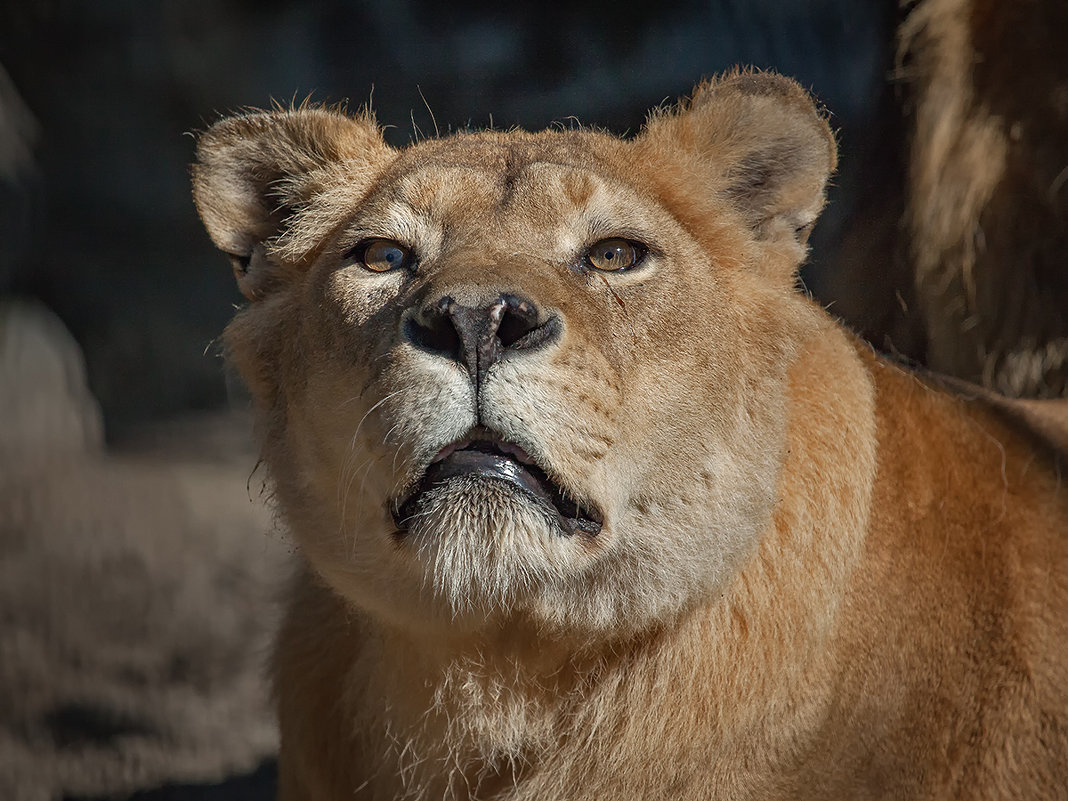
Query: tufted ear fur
(757, 140)
(255, 173)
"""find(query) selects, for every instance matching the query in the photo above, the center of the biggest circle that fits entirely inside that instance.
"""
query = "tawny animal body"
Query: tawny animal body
(593, 504)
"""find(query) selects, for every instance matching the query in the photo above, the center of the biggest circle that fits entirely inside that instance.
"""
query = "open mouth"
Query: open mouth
(484, 454)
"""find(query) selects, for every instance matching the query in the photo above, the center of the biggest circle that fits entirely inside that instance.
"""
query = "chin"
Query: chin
(488, 529)
(484, 547)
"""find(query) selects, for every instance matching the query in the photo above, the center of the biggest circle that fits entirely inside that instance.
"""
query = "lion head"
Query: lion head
(508, 375)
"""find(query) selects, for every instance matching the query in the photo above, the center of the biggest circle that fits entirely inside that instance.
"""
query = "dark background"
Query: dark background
(101, 226)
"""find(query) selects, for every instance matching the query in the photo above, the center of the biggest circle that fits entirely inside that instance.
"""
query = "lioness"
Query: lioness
(593, 504)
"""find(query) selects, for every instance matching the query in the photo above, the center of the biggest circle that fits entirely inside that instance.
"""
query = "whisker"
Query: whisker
(352, 443)
(367, 471)
(343, 499)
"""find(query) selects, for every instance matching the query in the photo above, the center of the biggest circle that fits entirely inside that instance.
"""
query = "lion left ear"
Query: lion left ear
(256, 171)
(758, 140)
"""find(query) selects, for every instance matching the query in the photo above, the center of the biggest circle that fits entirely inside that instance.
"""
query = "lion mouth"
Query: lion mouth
(485, 455)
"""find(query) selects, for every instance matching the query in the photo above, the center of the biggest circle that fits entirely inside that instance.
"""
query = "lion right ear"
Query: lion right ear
(755, 140)
(255, 172)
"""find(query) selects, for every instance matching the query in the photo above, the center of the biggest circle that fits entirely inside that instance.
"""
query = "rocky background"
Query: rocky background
(135, 573)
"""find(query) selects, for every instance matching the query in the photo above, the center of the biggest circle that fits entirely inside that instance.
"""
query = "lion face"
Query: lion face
(505, 375)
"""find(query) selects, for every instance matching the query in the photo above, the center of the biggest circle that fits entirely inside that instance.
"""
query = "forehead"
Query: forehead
(491, 181)
(507, 156)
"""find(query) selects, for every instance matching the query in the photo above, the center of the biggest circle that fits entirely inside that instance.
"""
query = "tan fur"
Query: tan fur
(819, 576)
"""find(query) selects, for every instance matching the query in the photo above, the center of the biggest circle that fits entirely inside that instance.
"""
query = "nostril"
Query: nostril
(477, 336)
(521, 328)
(520, 317)
(432, 330)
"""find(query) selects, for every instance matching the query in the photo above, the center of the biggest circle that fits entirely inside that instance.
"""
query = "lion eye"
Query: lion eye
(615, 254)
(383, 255)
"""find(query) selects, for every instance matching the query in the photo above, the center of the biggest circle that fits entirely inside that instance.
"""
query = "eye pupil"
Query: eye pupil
(615, 254)
(382, 255)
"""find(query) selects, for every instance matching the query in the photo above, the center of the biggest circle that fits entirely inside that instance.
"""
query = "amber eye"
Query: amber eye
(615, 254)
(383, 255)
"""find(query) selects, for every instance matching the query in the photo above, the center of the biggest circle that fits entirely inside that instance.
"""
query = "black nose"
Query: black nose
(478, 336)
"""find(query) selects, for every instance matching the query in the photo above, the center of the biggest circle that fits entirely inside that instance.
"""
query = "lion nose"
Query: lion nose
(477, 337)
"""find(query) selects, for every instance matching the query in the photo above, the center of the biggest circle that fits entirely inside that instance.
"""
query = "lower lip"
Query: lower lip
(495, 467)
(486, 465)
(463, 463)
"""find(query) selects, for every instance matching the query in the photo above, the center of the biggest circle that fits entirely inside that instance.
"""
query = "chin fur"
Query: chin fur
(482, 546)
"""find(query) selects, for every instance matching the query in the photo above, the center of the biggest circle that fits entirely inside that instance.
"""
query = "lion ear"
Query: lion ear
(758, 140)
(255, 172)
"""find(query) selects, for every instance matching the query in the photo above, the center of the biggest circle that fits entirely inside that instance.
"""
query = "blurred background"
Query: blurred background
(138, 561)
